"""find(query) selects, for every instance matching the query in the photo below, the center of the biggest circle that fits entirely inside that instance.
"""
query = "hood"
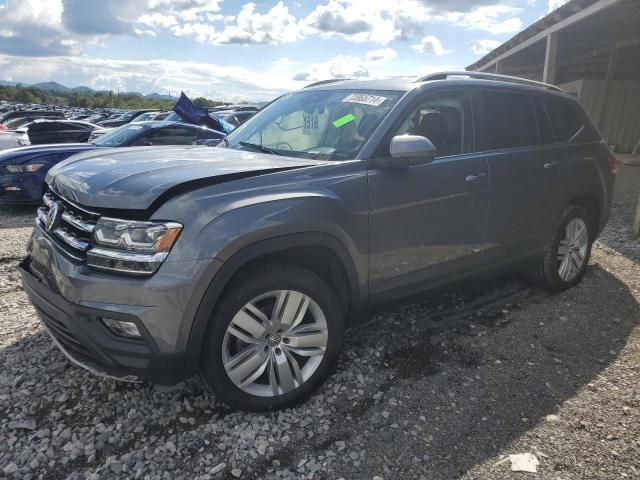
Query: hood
(13, 154)
(134, 177)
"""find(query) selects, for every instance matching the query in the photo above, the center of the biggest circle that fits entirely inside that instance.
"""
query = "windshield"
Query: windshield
(324, 124)
(173, 116)
(120, 136)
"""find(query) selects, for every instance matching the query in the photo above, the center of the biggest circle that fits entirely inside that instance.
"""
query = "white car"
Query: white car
(13, 138)
(98, 132)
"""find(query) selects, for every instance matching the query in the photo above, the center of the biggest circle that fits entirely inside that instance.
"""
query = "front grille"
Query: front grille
(66, 338)
(69, 225)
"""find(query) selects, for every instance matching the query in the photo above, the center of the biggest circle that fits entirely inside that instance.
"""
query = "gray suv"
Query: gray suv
(246, 262)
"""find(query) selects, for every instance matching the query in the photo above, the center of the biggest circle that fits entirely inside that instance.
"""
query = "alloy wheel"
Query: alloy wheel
(573, 249)
(275, 343)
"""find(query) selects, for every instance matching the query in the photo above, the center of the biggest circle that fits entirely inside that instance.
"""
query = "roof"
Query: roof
(565, 11)
(392, 83)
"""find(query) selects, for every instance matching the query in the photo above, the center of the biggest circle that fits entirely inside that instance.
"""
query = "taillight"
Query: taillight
(3, 127)
(613, 163)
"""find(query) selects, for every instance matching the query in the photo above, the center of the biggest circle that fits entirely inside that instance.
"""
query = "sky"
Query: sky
(237, 50)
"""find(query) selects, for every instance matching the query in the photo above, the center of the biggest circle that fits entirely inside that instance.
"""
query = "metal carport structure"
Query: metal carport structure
(591, 49)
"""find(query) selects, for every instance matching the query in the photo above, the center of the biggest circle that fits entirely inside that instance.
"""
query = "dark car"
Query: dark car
(22, 170)
(33, 114)
(125, 118)
(58, 131)
(247, 263)
(237, 118)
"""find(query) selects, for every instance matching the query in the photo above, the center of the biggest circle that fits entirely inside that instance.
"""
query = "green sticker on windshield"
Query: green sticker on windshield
(348, 118)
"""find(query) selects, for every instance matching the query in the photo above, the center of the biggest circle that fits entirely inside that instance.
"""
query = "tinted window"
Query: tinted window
(564, 117)
(445, 119)
(509, 120)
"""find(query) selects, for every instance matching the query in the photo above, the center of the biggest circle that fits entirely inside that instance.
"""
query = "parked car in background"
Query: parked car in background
(247, 263)
(237, 118)
(12, 139)
(6, 117)
(22, 170)
(58, 131)
(124, 118)
(98, 132)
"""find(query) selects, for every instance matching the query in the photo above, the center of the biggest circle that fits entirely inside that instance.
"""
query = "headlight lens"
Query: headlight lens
(140, 237)
(132, 247)
(27, 167)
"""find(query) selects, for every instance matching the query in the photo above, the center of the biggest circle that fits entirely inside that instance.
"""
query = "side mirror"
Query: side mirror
(412, 148)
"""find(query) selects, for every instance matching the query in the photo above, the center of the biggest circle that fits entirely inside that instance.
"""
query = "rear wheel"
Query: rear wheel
(274, 338)
(567, 255)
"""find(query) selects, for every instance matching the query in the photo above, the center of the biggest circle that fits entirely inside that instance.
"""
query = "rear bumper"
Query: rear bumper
(79, 332)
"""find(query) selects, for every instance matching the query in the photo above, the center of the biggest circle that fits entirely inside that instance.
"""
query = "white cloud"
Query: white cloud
(232, 83)
(553, 4)
(482, 47)
(494, 19)
(342, 66)
(381, 55)
(275, 26)
(430, 45)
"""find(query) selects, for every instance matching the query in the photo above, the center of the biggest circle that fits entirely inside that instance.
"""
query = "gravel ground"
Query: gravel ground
(442, 389)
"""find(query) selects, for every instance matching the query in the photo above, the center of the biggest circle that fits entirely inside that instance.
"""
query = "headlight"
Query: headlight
(27, 167)
(130, 246)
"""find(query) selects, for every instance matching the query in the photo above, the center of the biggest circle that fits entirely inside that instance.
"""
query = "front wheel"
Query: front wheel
(567, 255)
(274, 338)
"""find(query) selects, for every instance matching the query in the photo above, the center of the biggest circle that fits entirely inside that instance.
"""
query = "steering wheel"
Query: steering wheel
(285, 144)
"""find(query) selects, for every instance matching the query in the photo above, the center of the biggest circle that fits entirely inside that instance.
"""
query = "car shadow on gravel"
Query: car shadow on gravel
(465, 384)
(17, 216)
(433, 388)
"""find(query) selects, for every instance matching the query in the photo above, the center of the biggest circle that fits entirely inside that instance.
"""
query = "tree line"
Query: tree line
(25, 94)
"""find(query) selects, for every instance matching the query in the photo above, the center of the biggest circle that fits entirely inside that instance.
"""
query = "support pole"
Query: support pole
(549, 73)
(607, 84)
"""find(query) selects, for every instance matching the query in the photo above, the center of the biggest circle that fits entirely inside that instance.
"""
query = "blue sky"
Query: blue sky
(236, 50)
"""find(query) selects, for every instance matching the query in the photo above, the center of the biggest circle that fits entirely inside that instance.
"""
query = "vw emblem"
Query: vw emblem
(53, 216)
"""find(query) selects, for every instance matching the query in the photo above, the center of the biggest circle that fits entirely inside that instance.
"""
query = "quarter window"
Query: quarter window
(510, 121)
(445, 119)
(564, 118)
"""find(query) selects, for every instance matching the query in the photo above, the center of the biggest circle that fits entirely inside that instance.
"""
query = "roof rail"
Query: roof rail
(326, 82)
(488, 76)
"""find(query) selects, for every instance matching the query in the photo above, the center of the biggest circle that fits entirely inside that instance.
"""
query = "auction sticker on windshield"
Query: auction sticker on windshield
(364, 99)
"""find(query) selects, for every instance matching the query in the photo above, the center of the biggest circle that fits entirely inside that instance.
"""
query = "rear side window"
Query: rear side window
(564, 116)
(509, 121)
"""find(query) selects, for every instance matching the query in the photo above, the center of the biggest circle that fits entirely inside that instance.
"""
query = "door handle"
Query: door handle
(475, 178)
(551, 165)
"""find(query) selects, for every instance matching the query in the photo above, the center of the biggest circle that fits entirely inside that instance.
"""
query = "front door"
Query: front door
(427, 221)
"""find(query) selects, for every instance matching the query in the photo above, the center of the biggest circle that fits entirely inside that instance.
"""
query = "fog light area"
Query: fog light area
(122, 328)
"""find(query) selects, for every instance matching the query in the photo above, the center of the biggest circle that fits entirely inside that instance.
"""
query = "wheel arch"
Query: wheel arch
(328, 252)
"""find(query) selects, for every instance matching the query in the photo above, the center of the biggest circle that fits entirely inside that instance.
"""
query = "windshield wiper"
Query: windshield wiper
(260, 148)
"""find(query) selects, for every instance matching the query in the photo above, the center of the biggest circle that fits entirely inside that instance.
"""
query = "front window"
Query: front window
(120, 136)
(320, 124)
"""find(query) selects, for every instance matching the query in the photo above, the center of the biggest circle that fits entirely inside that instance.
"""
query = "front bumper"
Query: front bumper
(79, 332)
(20, 189)
(72, 299)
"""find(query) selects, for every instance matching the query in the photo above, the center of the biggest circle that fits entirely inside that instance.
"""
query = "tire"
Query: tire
(242, 324)
(549, 271)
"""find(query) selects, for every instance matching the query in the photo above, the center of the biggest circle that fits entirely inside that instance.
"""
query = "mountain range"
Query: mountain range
(58, 87)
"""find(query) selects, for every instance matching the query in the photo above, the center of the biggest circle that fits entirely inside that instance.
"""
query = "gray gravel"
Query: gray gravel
(441, 389)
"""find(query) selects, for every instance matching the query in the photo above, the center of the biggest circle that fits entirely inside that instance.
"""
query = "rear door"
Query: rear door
(73, 132)
(530, 176)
